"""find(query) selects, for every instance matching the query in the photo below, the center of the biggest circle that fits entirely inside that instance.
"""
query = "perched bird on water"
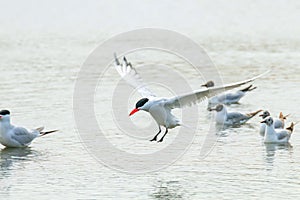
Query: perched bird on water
(15, 136)
(273, 135)
(231, 118)
(229, 97)
(277, 122)
(160, 107)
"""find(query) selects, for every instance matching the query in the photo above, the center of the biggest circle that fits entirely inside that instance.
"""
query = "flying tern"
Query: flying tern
(160, 107)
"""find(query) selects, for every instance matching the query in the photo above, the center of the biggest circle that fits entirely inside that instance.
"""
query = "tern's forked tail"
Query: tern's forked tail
(248, 89)
(42, 133)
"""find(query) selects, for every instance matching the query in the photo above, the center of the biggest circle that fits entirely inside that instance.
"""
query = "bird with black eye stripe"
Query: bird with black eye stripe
(16, 136)
(159, 107)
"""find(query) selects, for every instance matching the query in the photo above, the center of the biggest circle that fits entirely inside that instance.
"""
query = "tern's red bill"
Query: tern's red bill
(133, 111)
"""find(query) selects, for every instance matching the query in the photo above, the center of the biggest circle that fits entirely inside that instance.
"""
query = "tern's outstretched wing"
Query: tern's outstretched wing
(200, 95)
(130, 75)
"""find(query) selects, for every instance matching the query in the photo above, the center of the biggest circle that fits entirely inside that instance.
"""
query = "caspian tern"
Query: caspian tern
(14, 136)
(159, 107)
(273, 135)
(229, 97)
(278, 122)
(231, 118)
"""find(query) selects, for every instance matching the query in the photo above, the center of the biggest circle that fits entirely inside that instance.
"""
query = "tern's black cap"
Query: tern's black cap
(4, 112)
(141, 102)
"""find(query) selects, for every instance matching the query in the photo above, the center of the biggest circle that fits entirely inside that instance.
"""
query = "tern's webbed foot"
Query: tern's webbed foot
(153, 139)
(162, 139)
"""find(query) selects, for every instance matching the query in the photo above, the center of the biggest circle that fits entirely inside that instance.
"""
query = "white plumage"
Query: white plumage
(273, 135)
(231, 118)
(159, 107)
(14, 136)
(278, 123)
(228, 97)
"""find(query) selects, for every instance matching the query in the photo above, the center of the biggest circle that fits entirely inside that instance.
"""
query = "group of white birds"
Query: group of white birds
(272, 129)
(160, 109)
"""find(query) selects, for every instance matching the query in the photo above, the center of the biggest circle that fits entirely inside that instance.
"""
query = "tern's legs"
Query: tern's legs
(155, 137)
(163, 135)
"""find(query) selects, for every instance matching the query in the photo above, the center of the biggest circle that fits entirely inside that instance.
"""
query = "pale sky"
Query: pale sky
(275, 18)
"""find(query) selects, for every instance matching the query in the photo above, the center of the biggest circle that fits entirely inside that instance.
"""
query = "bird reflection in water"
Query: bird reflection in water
(271, 149)
(168, 190)
(9, 156)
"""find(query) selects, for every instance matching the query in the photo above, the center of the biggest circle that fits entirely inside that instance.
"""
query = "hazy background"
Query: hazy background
(232, 18)
(44, 43)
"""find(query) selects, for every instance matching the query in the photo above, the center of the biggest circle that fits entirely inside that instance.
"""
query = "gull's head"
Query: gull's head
(218, 108)
(4, 115)
(209, 84)
(268, 121)
(265, 114)
(140, 105)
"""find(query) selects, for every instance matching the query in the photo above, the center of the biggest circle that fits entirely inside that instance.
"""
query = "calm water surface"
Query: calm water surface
(38, 72)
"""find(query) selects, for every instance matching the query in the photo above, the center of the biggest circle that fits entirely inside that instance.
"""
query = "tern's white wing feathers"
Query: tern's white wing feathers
(130, 75)
(200, 95)
(240, 83)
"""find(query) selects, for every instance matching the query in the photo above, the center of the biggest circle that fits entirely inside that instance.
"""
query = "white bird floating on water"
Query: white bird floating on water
(231, 118)
(278, 122)
(14, 136)
(273, 135)
(229, 97)
(160, 107)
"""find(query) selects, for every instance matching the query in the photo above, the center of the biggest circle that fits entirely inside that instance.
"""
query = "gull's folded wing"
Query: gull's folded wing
(22, 135)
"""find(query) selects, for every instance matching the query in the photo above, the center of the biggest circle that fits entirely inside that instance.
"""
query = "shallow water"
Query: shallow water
(38, 72)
